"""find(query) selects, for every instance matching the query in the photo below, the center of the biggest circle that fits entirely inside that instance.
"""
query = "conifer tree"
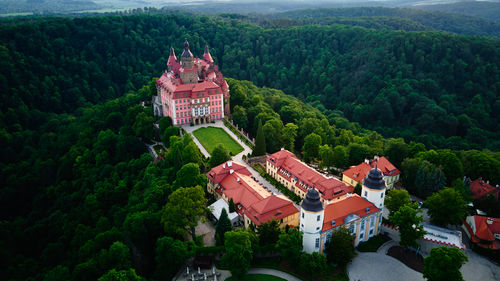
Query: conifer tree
(223, 225)
(260, 142)
(232, 208)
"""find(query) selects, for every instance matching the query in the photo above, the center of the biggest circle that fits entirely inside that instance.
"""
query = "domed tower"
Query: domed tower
(187, 58)
(374, 187)
(311, 221)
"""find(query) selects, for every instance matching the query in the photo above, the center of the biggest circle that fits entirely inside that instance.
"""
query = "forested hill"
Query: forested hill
(397, 18)
(484, 9)
(439, 89)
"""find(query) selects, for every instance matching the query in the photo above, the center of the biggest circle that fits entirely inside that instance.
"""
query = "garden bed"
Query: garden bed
(210, 137)
(408, 257)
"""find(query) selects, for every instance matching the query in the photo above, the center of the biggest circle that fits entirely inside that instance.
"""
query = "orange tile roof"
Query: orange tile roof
(479, 189)
(486, 228)
(359, 172)
(256, 202)
(329, 188)
(272, 207)
(217, 174)
(338, 211)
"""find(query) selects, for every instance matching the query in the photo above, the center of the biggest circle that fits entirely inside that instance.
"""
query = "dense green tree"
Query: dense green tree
(444, 263)
(269, 232)
(311, 147)
(239, 252)
(164, 123)
(395, 199)
(446, 206)
(428, 179)
(189, 175)
(170, 255)
(396, 150)
(122, 275)
(290, 245)
(340, 156)
(339, 248)
(260, 142)
(223, 225)
(358, 153)
(168, 132)
(327, 156)
(358, 188)
(409, 222)
(289, 135)
(313, 264)
(219, 155)
(185, 207)
(239, 115)
(232, 208)
(143, 126)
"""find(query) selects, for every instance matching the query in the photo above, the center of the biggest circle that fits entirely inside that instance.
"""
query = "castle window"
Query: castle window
(317, 228)
(382, 195)
(363, 225)
(366, 193)
(318, 217)
(317, 243)
(302, 215)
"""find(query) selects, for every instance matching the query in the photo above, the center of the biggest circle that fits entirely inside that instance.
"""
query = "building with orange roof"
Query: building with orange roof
(253, 202)
(361, 215)
(483, 231)
(480, 188)
(192, 90)
(298, 177)
(355, 174)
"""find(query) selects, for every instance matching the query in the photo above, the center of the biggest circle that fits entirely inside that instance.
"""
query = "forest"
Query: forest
(80, 197)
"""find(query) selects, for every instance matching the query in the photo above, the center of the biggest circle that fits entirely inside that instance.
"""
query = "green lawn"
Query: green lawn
(256, 277)
(210, 137)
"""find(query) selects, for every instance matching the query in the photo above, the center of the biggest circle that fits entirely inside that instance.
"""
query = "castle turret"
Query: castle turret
(172, 59)
(311, 220)
(187, 57)
(374, 188)
(188, 74)
(206, 55)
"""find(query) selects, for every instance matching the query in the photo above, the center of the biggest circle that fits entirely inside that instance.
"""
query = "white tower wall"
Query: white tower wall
(376, 196)
(311, 224)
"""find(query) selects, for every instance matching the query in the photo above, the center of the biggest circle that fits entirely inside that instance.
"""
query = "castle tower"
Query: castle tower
(206, 55)
(187, 73)
(172, 59)
(311, 221)
(374, 188)
(187, 57)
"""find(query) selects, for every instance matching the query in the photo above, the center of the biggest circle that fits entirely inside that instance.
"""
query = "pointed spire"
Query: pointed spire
(187, 53)
(172, 51)
(172, 59)
(206, 56)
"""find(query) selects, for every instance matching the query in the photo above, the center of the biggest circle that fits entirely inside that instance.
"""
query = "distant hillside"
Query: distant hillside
(46, 6)
(427, 20)
(483, 9)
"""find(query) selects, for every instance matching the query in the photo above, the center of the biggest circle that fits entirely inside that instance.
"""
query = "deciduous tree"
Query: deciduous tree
(311, 147)
(290, 245)
(239, 253)
(444, 264)
(339, 248)
(446, 207)
(395, 199)
(185, 207)
(219, 155)
(410, 224)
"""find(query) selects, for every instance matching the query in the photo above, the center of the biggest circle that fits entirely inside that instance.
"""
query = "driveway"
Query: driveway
(380, 267)
(238, 157)
(479, 268)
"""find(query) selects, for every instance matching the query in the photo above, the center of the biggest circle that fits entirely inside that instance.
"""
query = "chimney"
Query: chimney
(231, 171)
(367, 161)
(489, 221)
(376, 157)
(224, 166)
(238, 179)
(282, 149)
(229, 163)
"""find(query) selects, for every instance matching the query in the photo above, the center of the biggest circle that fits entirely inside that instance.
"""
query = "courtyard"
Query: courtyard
(210, 137)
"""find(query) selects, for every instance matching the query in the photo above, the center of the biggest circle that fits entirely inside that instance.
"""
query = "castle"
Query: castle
(362, 215)
(191, 90)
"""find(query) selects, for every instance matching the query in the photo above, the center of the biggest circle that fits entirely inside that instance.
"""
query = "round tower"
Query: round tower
(374, 187)
(187, 58)
(311, 221)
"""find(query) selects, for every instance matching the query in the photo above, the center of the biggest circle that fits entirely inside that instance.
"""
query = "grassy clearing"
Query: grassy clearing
(256, 277)
(210, 137)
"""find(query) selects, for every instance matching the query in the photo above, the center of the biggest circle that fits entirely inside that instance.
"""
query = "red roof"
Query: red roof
(272, 207)
(479, 189)
(259, 205)
(359, 172)
(291, 167)
(217, 174)
(486, 228)
(338, 211)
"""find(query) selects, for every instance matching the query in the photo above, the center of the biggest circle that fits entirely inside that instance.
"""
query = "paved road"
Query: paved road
(479, 268)
(380, 267)
(273, 272)
(238, 157)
